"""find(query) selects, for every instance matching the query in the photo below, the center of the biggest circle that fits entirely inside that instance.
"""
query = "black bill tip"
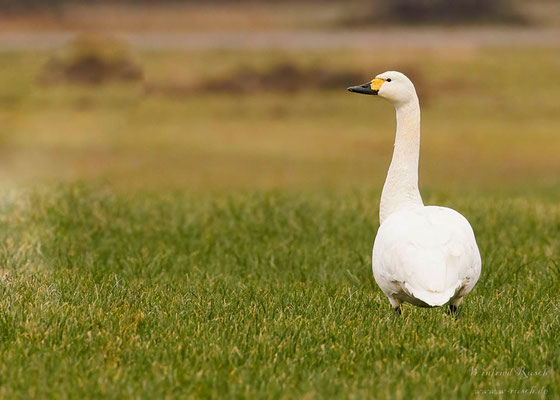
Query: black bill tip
(362, 89)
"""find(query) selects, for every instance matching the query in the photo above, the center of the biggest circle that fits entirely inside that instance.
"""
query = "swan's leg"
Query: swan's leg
(396, 304)
(454, 305)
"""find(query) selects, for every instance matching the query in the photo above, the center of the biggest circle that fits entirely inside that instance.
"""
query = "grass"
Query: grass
(260, 295)
(215, 246)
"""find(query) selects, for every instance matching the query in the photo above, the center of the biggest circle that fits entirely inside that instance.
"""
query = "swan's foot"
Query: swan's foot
(397, 311)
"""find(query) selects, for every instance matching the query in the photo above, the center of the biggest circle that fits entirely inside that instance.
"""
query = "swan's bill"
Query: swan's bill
(371, 87)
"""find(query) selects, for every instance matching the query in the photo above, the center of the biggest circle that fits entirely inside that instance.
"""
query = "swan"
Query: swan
(423, 255)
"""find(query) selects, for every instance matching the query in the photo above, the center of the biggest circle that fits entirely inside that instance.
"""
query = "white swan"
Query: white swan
(423, 255)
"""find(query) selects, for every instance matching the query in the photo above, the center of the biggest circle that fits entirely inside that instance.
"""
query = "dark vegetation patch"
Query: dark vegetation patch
(91, 60)
(282, 78)
(438, 12)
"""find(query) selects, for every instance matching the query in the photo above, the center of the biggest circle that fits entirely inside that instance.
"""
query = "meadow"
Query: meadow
(488, 115)
(172, 243)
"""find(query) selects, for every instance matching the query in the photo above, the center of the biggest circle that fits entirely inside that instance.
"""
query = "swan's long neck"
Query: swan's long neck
(401, 186)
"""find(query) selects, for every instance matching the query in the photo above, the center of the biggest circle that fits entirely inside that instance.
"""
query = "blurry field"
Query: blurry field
(227, 16)
(489, 115)
(162, 241)
(192, 16)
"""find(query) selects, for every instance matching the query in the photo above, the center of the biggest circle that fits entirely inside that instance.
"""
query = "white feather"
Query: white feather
(426, 256)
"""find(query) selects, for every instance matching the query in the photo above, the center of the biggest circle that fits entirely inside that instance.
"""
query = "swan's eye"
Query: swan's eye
(388, 80)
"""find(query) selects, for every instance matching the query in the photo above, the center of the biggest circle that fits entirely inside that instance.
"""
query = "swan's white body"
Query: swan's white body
(423, 255)
(426, 256)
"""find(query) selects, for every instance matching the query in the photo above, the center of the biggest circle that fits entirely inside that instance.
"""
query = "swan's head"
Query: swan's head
(391, 85)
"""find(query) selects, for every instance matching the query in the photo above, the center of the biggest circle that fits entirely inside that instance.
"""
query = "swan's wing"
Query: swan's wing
(429, 252)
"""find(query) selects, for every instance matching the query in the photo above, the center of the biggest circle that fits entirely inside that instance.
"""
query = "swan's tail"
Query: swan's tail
(432, 298)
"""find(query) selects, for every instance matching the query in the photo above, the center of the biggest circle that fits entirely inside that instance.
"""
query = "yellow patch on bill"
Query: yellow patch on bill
(376, 83)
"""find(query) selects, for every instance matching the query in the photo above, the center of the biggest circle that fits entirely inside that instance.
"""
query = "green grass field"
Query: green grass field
(261, 295)
(219, 246)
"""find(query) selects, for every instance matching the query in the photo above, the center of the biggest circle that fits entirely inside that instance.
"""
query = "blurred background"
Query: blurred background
(221, 95)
